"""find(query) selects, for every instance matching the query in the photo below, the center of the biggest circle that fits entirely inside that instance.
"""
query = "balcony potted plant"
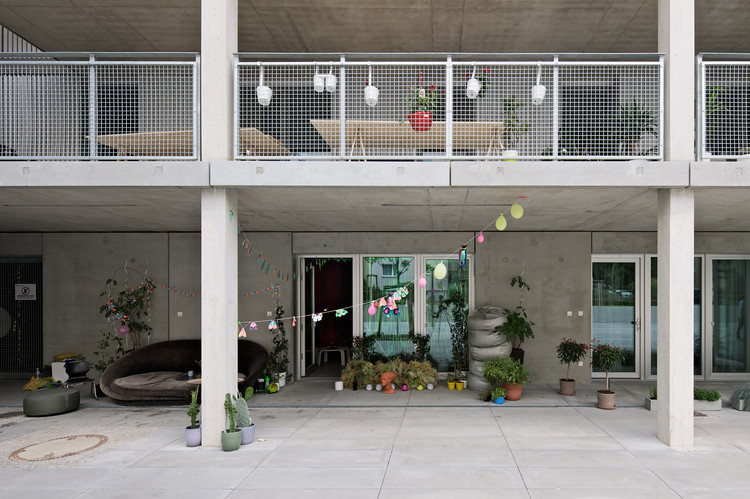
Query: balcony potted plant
(513, 127)
(193, 432)
(517, 326)
(231, 438)
(605, 357)
(569, 351)
(422, 103)
(632, 126)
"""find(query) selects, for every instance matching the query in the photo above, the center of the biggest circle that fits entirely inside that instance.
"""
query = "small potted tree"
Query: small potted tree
(605, 357)
(513, 375)
(513, 126)
(193, 432)
(569, 351)
(517, 327)
(231, 438)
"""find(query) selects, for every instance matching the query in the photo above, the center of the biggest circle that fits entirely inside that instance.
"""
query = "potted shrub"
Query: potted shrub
(605, 357)
(517, 327)
(513, 127)
(279, 356)
(358, 373)
(231, 438)
(422, 103)
(244, 421)
(498, 395)
(569, 351)
(740, 399)
(193, 432)
(492, 371)
(513, 376)
(455, 306)
(703, 400)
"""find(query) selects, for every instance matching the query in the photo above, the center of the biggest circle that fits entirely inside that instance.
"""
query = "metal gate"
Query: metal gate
(20, 316)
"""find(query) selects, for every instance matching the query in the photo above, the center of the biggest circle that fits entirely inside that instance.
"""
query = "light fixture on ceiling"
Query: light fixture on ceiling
(473, 86)
(263, 92)
(538, 90)
(371, 92)
(330, 81)
(319, 81)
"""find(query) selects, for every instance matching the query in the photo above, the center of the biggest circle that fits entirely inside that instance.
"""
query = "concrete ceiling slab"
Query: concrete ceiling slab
(373, 25)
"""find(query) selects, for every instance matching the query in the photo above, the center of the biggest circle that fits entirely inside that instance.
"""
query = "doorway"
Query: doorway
(20, 317)
(325, 333)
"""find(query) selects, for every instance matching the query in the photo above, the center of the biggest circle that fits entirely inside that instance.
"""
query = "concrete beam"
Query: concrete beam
(720, 174)
(218, 308)
(638, 173)
(104, 174)
(330, 173)
(675, 317)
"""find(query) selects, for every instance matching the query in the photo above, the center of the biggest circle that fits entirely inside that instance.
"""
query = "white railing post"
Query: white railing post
(700, 111)
(236, 105)
(449, 107)
(555, 109)
(342, 109)
(92, 108)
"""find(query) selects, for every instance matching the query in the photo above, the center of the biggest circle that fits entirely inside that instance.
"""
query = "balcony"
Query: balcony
(69, 106)
(358, 107)
(66, 106)
(723, 93)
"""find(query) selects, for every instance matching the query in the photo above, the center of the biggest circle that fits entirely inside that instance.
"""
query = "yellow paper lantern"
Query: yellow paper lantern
(501, 223)
(440, 271)
(516, 211)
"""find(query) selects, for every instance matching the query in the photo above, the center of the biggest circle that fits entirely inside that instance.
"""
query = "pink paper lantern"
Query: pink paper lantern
(123, 330)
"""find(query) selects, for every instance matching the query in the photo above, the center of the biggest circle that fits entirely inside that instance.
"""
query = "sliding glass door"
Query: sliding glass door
(730, 280)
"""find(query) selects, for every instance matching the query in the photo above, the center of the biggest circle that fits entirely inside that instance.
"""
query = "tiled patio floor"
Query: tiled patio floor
(315, 442)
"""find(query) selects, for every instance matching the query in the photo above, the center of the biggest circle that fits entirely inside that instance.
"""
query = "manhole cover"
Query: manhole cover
(58, 447)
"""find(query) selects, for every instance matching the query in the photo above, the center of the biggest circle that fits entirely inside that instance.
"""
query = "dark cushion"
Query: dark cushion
(159, 365)
(51, 401)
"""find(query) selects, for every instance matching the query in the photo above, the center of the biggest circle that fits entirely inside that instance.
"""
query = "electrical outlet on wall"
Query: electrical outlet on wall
(268, 314)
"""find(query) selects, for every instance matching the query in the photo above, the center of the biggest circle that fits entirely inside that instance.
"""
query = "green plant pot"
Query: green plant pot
(231, 441)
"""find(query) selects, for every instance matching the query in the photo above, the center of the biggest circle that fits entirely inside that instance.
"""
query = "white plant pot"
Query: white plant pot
(281, 377)
(510, 155)
(698, 405)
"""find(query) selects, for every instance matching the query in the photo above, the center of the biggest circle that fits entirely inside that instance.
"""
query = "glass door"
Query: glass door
(729, 351)
(616, 310)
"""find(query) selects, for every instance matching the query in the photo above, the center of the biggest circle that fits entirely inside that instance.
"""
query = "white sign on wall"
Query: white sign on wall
(25, 291)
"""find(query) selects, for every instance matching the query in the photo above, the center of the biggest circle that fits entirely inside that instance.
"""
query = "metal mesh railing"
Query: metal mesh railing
(346, 108)
(68, 106)
(723, 96)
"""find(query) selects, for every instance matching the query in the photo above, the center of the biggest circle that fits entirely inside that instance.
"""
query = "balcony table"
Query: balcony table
(481, 136)
(180, 143)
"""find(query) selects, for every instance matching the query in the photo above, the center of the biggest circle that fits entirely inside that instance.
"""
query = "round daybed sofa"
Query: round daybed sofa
(157, 373)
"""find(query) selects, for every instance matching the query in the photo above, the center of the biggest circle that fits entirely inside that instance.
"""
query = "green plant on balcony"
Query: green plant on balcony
(631, 125)
(513, 126)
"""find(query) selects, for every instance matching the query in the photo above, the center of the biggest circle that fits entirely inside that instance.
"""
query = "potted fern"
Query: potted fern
(517, 327)
(193, 432)
(231, 438)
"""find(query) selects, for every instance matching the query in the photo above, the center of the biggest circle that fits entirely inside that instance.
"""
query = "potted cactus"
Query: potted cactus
(231, 438)
(193, 432)
(244, 421)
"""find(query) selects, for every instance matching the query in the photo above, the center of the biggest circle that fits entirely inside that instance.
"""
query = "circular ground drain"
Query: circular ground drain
(58, 447)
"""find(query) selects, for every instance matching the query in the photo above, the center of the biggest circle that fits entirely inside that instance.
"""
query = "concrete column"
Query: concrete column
(218, 218)
(675, 317)
(677, 43)
(218, 45)
(218, 308)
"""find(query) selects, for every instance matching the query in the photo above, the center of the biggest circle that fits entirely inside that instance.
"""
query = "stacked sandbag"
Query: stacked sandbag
(484, 343)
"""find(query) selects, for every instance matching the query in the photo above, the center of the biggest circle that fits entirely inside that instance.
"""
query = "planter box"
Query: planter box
(741, 405)
(698, 405)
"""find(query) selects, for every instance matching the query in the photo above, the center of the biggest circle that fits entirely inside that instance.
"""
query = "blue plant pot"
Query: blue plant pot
(500, 400)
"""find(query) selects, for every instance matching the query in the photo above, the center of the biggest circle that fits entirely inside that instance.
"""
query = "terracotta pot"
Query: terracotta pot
(567, 386)
(512, 391)
(605, 400)
(421, 121)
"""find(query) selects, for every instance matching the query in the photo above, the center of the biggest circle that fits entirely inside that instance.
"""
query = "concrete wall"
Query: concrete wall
(557, 267)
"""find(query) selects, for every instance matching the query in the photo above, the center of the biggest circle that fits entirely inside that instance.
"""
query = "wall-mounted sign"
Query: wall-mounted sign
(25, 291)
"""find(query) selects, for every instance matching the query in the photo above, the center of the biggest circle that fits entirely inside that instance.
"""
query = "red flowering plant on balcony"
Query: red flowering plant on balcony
(569, 351)
(421, 99)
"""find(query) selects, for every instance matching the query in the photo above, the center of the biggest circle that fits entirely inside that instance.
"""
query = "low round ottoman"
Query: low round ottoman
(51, 401)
